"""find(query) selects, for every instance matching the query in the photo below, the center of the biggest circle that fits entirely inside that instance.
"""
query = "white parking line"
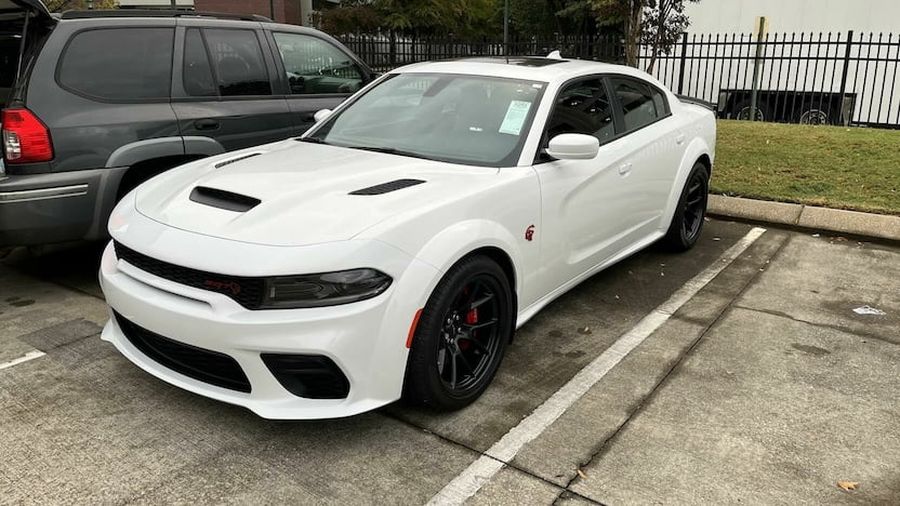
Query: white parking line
(480, 472)
(31, 355)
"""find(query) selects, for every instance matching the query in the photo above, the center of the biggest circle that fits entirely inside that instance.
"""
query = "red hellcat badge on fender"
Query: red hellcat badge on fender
(529, 233)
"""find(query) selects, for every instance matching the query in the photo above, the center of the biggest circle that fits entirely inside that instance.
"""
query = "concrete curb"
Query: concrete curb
(878, 226)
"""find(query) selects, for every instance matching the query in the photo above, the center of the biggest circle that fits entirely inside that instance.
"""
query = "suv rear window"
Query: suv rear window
(119, 63)
(238, 62)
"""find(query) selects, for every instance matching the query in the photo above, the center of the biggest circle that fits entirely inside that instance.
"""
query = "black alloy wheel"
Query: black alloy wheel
(470, 337)
(461, 336)
(690, 214)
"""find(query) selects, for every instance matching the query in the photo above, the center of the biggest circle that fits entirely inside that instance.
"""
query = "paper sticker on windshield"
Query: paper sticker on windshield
(515, 117)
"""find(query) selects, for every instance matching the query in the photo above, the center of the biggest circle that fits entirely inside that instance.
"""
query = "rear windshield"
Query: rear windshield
(9, 58)
(119, 63)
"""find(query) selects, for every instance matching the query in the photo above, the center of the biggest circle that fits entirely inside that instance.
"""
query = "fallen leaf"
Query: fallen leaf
(584, 330)
(584, 476)
(845, 485)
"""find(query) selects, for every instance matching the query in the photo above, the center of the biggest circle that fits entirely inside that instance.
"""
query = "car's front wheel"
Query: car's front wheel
(690, 213)
(461, 336)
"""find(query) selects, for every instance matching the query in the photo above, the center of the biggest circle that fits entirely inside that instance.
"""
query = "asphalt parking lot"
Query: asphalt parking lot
(763, 387)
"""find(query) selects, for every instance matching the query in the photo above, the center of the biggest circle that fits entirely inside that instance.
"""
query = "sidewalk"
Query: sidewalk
(854, 223)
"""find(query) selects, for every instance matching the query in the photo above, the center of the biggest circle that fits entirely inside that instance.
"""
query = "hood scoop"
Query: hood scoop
(223, 199)
(391, 186)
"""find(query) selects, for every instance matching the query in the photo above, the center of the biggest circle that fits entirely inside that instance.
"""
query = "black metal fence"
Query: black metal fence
(384, 52)
(835, 78)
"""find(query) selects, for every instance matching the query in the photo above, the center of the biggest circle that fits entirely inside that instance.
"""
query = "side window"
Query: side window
(119, 63)
(314, 66)
(197, 72)
(583, 108)
(639, 108)
(237, 61)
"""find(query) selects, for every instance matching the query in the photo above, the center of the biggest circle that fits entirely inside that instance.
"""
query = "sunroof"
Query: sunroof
(534, 62)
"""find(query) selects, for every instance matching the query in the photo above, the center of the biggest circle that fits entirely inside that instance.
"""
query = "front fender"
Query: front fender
(460, 239)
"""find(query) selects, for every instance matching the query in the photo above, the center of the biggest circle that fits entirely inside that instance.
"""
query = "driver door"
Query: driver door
(584, 202)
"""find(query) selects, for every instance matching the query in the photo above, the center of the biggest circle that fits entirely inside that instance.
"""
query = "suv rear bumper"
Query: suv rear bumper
(56, 207)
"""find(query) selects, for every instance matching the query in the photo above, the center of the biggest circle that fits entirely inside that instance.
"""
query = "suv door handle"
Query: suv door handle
(206, 124)
(624, 169)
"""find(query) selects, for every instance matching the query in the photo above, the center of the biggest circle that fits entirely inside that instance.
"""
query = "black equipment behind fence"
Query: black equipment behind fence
(818, 78)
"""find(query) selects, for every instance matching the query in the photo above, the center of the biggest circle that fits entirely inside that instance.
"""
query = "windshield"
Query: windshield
(472, 120)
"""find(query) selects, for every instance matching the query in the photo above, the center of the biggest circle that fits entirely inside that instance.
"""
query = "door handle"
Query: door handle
(206, 124)
(679, 139)
(625, 169)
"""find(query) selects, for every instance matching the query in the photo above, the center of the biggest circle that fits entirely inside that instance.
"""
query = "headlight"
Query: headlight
(328, 289)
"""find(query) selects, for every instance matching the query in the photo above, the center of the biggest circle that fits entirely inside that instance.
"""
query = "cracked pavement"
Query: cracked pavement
(764, 387)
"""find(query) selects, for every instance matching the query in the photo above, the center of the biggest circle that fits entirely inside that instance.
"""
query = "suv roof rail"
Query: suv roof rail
(159, 13)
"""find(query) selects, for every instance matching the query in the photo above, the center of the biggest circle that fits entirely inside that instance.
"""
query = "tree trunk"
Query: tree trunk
(633, 32)
(660, 26)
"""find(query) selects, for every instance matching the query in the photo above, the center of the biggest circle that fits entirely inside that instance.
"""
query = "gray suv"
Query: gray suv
(96, 102)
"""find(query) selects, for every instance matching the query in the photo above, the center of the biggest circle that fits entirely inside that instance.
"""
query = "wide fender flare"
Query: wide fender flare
(459, 240)
(162, 147)
(697, 148)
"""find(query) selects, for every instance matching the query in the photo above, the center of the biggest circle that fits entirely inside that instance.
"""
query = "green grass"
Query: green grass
(845, 168)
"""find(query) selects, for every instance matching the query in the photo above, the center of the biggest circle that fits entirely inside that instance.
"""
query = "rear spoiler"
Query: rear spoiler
(696, 101)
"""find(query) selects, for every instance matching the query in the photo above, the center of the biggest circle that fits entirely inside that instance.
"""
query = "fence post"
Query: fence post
(757, 62)
(844, 76)
(684, 36)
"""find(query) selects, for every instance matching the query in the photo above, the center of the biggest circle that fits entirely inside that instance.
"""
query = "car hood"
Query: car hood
(295, 194)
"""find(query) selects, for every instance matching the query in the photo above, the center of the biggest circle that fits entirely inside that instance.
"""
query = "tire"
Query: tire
(742, 111)
(443, 335)
(690, 213)
(814, 117)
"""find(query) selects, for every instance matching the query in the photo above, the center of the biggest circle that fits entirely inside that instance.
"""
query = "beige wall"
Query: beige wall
(718, 16)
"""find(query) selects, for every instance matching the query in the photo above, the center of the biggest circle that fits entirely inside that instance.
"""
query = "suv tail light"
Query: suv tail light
(25, 137)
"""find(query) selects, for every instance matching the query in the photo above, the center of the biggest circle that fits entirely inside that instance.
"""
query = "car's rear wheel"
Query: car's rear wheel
(690, 213)
(461, 336)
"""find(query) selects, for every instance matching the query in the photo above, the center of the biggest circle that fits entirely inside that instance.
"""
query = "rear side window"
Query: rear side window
(641, 104)
(237, 61)
(197, 72)
(314, 66)
(119, 63)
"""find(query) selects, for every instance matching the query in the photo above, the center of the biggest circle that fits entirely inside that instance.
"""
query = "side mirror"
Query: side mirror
(574, 147)
(322, 115)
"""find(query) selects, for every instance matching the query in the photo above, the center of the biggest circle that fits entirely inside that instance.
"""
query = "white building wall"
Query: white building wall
(720, 16)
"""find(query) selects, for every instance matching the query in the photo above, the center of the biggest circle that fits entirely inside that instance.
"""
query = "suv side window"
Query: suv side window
(119, 63)
(196, 71)
(583, 107)
(237, 61)
(314, 66)
(641, 104)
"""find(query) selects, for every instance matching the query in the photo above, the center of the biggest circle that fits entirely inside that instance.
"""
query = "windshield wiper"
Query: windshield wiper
(389, 151)
(313, 140)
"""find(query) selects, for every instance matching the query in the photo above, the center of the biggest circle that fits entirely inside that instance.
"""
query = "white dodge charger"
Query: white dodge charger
(393, 250)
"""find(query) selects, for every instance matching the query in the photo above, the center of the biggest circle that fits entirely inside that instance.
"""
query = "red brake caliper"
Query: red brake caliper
(472, 316)
(471, 319)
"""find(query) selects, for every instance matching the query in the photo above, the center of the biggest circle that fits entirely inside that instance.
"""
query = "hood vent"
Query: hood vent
(223, 199)
(235, 160)
(388, 187)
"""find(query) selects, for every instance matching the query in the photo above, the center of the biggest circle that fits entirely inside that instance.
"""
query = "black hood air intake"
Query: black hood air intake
(222, 199)
(391, 186)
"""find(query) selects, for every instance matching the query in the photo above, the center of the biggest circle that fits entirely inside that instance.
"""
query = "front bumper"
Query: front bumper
(365, 340)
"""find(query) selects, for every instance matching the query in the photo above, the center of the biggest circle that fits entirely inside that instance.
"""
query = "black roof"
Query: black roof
(521, 61)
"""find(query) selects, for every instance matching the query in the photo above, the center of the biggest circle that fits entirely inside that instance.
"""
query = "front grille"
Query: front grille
(204, 365)
(247, 292)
